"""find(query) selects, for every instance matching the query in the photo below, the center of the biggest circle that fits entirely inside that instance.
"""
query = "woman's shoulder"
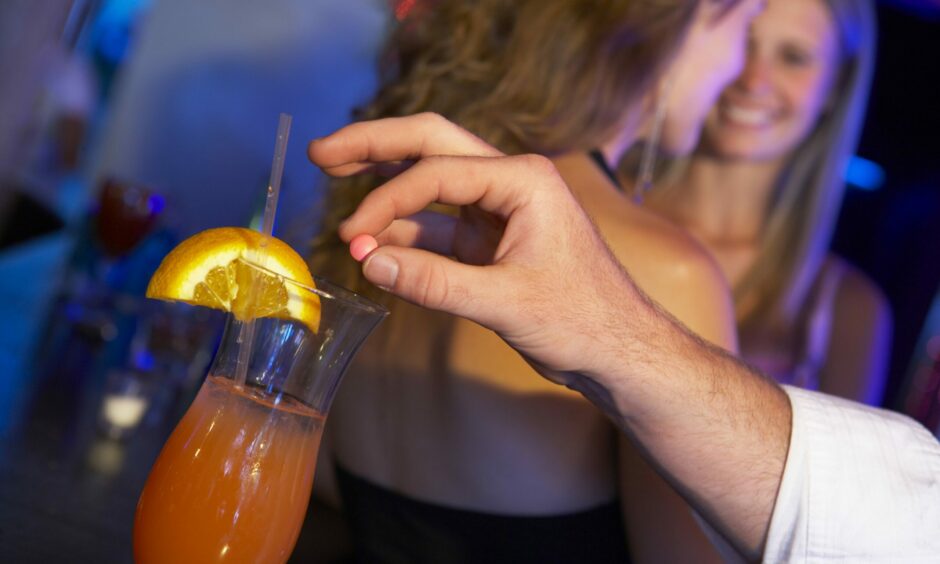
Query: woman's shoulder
(859, 338)
(663, 259)
(648, 244)
(654, 248)
(675, 270)
(856, 294)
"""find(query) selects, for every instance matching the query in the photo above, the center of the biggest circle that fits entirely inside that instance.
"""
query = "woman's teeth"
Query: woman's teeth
(747, 116)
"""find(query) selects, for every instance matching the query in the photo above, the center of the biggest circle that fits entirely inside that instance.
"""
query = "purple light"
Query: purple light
(157, 203)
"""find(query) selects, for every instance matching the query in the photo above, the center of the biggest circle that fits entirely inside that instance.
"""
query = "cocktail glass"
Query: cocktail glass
(233, 481)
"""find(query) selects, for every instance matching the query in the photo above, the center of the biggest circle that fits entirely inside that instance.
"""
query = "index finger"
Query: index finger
(358, 146)
(499, 186)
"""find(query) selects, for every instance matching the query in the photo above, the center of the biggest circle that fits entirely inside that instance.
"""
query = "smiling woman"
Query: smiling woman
(785, 86)
(763, 191)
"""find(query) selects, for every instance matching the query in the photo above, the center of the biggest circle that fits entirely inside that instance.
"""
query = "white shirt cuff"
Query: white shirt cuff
(860, 483)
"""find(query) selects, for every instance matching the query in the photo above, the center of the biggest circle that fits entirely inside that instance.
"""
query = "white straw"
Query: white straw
(277, 171)
(246, 333)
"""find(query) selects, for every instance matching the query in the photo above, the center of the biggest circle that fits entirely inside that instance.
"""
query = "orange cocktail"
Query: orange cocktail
(233, 481)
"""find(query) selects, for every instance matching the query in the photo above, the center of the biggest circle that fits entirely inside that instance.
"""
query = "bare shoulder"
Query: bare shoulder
(658, 248)
(676, 271)
(857, 295)
(664, 260)
(653, 249)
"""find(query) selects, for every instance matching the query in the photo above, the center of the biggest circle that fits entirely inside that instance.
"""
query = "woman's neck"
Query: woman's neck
(627, 134)
(724, 202)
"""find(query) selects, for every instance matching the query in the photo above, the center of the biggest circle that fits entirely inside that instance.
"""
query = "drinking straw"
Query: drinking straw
(277, 171)
(246, 333)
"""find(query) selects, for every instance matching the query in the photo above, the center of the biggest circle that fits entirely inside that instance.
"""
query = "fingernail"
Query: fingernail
(361, 246)
(381, 270)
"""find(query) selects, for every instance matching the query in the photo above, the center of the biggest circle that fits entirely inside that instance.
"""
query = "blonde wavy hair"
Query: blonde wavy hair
(541, 76)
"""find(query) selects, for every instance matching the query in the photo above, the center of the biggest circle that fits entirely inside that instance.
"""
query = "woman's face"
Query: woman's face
(711, 56)
(792, 63)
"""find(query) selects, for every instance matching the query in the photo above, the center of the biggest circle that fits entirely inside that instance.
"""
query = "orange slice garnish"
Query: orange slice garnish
(214, 269)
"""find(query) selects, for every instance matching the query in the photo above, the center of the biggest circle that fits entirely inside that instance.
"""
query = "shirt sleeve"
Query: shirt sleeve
(860, 484)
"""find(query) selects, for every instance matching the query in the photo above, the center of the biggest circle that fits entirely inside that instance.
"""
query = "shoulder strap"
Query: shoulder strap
(601, 163)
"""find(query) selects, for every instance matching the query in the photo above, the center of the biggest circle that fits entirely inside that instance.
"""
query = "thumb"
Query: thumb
(432, 281)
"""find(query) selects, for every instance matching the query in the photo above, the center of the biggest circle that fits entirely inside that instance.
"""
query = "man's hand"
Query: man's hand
(526, 253)
(531, 266)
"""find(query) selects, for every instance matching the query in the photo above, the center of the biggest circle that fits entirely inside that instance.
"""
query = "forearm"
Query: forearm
(716, 430)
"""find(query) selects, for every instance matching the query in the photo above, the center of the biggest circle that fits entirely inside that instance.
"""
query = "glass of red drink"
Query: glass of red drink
(126, 214)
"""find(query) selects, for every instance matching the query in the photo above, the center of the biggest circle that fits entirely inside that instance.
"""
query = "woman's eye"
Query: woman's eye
(796, 57)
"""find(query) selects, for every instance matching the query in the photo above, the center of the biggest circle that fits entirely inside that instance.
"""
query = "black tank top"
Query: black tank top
(601, 163)
(393, 529)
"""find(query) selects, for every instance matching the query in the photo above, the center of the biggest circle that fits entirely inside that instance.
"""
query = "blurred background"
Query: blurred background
(890, 222)
(127, 125)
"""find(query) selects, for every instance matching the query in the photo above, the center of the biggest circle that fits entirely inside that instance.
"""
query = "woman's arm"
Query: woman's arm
(860, 341)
